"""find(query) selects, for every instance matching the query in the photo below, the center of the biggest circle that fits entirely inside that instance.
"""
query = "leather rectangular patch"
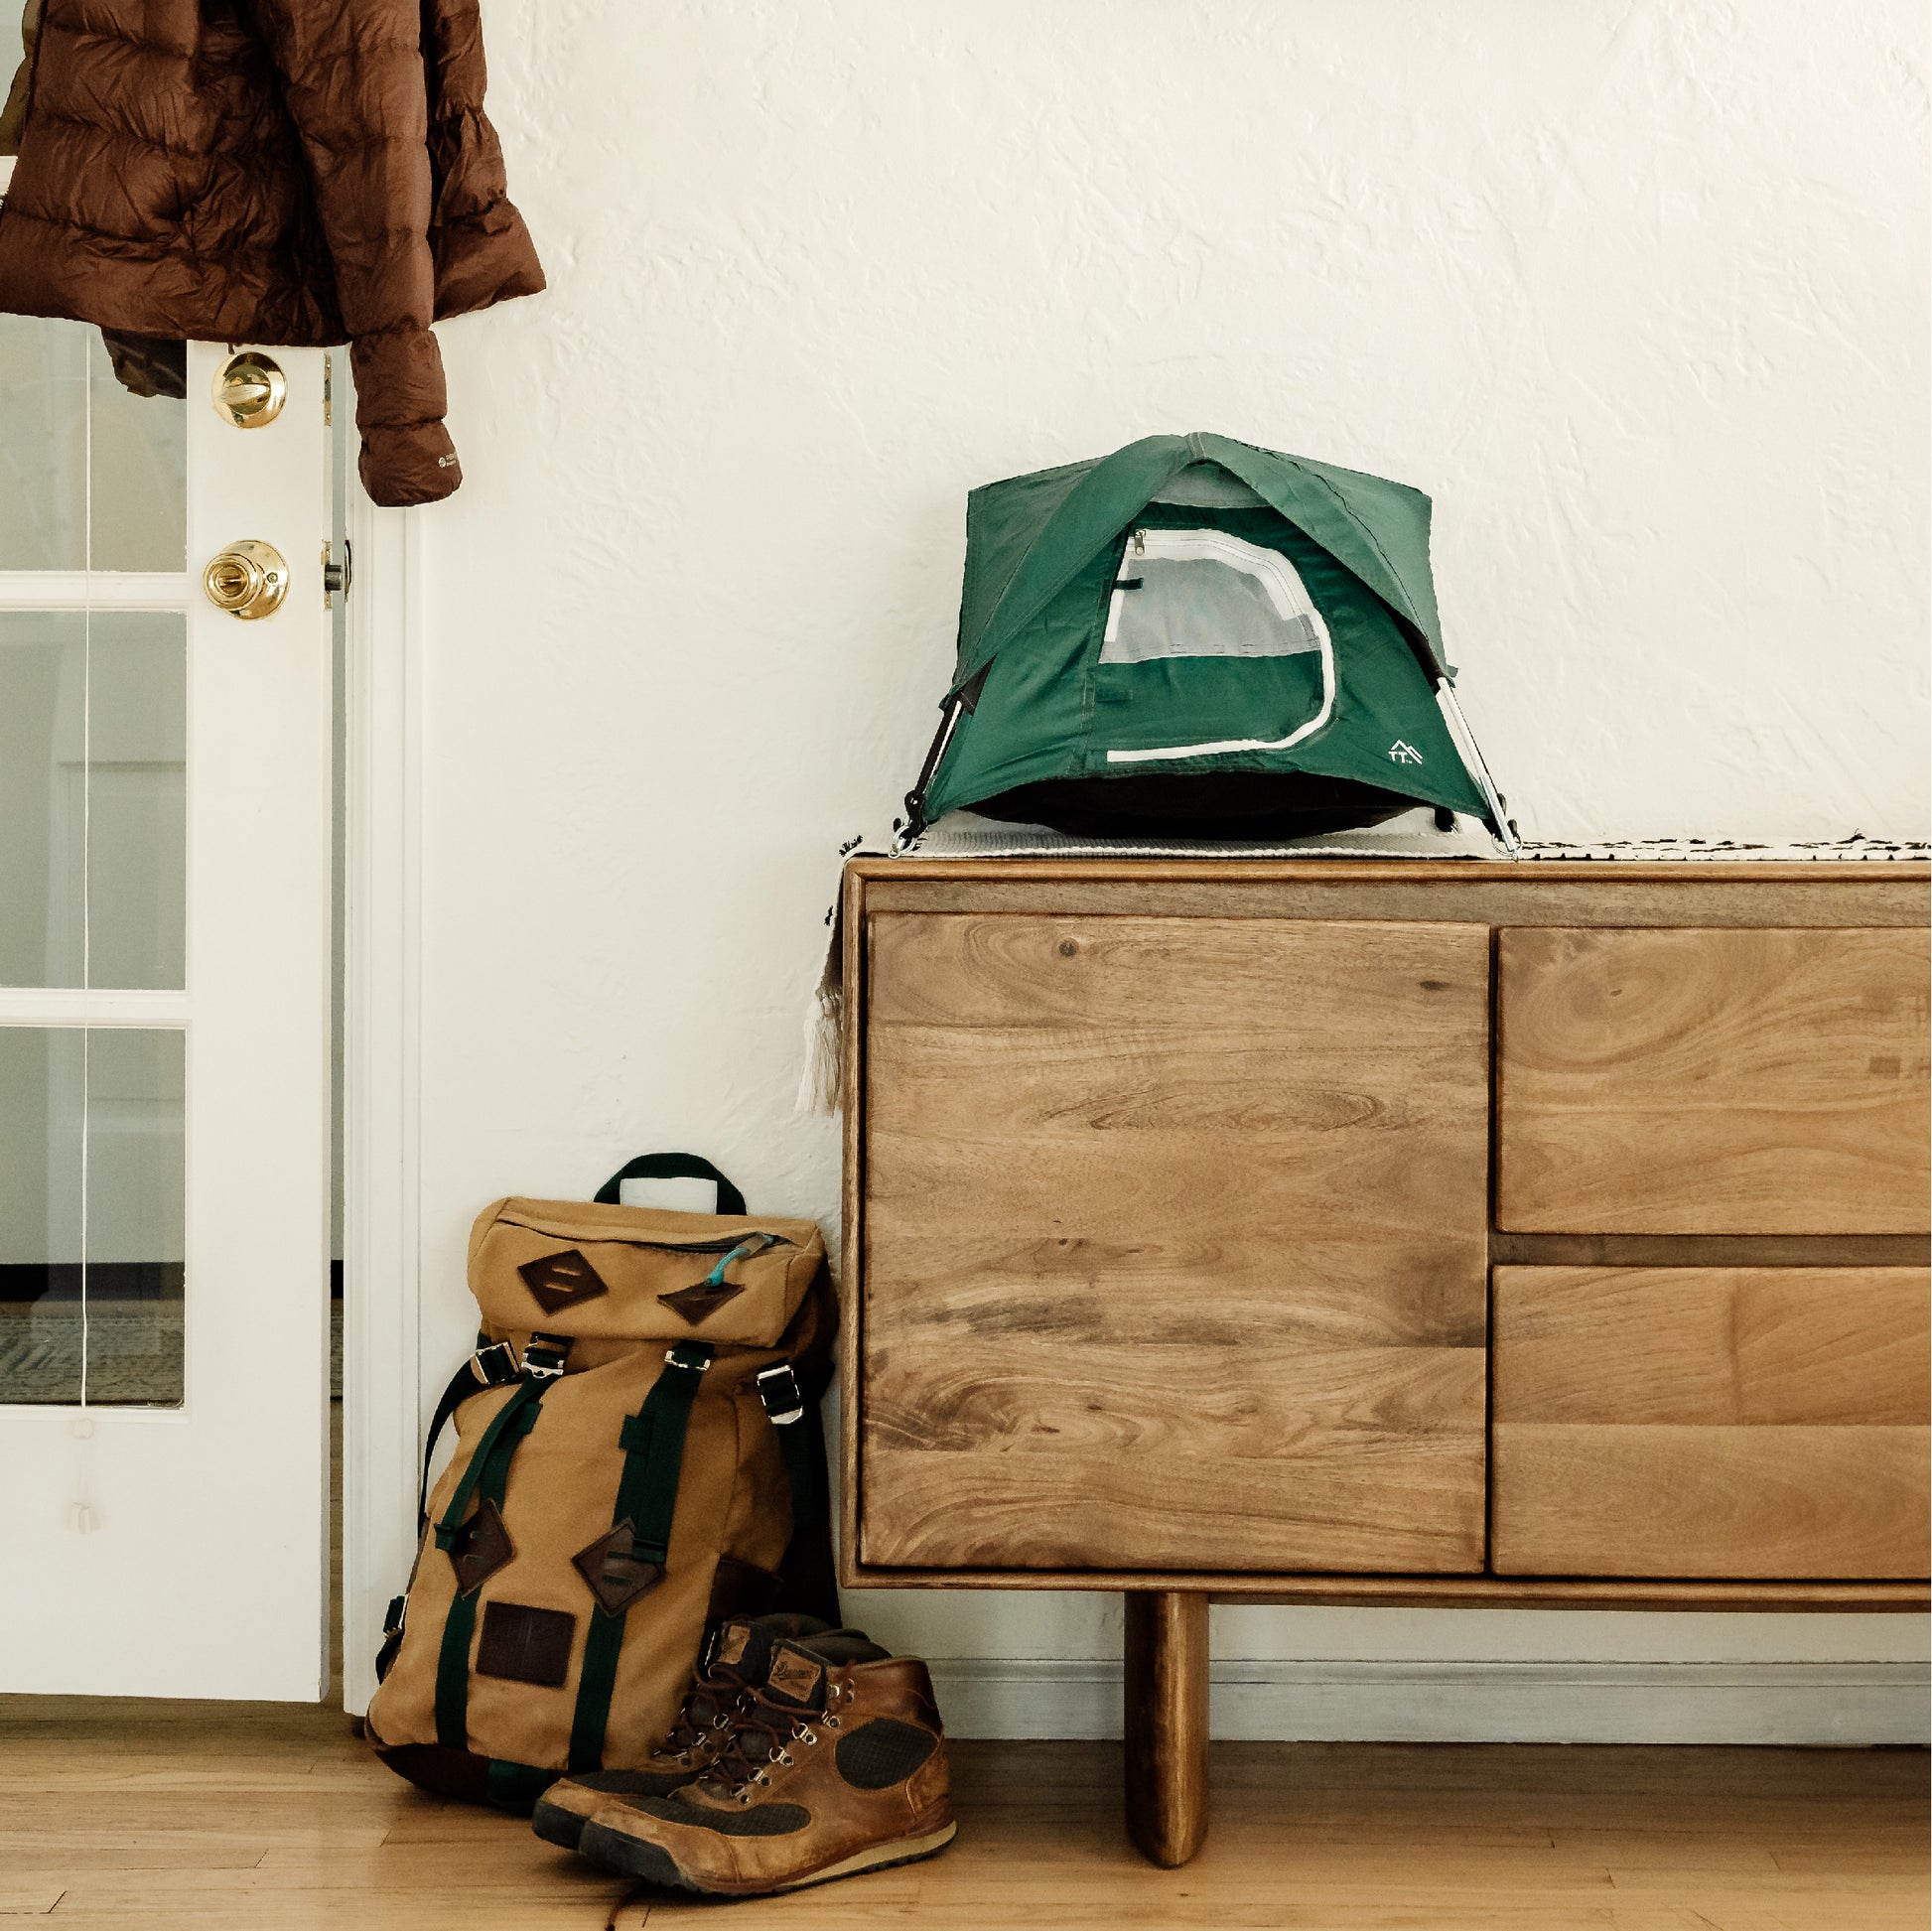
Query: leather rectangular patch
(524, 1645)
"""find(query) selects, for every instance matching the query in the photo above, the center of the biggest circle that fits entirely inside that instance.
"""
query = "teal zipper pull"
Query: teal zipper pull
(755, 1244)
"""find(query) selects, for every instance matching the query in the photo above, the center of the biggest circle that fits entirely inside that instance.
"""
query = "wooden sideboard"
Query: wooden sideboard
(1451, 1233)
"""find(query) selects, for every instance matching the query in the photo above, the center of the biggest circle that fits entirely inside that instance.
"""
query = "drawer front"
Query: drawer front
(1711, 1422)
(1174, 1244)
(1713, 1082)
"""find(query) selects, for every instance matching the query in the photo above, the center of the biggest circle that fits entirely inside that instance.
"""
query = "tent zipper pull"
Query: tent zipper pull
(1140, 543)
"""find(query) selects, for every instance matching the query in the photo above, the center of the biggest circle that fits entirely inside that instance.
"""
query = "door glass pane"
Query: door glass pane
(94, 727)
(42, 440)
(132, 1283)
(137, 445)
(43, 840)
(92, 470)
(91, 1215)
(41, 1091)
(137, 798)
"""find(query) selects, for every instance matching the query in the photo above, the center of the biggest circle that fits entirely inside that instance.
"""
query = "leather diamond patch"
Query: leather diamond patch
(702, 1299)
(481, 1547)
(616, 1573)
(562, 1280)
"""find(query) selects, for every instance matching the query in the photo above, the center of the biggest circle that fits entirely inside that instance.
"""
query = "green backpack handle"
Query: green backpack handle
(671, 1167)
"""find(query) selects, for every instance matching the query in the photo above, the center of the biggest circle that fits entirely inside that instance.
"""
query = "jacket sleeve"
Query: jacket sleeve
(12, 116)
(352, 74)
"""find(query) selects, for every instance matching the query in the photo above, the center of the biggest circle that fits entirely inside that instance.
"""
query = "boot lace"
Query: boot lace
(710, 1705)
(759, 1741)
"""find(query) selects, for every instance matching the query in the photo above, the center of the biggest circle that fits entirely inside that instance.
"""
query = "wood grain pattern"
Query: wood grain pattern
(851, 941)
(1709, 1250)
(1690, 1501)
(1537, 893)
(1745, 896)
(1747, 1596)
(1597, 874)
(1702, 1081)
(1173, 1236)
(200, 1817)
(1711, 1422)
(1713, 1346)
(1164, 1724)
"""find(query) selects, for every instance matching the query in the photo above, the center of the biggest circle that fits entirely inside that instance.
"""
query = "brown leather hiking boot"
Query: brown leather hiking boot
(731, 1664)
(838, 1764)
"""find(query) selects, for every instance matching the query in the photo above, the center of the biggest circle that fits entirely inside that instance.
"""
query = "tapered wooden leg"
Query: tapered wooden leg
(1166, 1724)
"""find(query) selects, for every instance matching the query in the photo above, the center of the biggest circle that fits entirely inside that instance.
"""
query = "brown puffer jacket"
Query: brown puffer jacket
(300, 172)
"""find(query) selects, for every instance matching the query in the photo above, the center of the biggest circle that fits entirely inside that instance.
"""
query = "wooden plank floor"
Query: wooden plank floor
(208, 1816)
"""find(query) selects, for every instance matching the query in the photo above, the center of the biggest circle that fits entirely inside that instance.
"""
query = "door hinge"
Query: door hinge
(328, 391)
(337, 576)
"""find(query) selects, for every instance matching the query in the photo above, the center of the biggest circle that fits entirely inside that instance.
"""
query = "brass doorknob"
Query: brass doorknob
(250, 389)
(247, 580)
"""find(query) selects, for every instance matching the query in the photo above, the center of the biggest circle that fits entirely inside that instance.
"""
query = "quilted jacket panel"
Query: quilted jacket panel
(300, 172)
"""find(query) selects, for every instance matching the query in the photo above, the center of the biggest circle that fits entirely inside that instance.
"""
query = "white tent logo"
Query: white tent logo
(1404, 754)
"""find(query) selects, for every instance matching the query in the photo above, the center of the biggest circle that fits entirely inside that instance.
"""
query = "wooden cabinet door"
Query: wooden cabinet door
(1721, 1422)
(1175, 1242)
(1713, 1082)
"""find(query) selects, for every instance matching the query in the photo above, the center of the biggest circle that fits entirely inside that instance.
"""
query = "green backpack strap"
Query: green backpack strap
(493, 1365)
(542, 1363)
(671, 1167)
(485, 1478)
(808, 1582)
(639, 1541)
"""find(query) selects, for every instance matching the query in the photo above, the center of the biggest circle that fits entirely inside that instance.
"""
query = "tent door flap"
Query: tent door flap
(1205, 593)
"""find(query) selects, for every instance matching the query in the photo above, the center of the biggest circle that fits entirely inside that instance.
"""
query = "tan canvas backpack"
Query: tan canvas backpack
(638, 1454)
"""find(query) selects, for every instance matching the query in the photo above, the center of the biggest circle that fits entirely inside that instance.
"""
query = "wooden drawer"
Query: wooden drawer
(1713, 1082)
(1721, 1422)
(1174, 1234)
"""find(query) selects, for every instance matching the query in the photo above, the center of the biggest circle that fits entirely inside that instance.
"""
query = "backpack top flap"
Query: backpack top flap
(640, 1274)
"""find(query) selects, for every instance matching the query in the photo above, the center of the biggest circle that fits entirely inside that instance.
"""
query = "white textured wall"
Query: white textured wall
(1634, 288)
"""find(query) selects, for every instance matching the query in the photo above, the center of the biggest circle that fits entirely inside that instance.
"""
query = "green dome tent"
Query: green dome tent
(1195, 636)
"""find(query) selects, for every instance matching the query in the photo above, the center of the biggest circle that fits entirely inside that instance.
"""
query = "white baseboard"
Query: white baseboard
(1479, 1702)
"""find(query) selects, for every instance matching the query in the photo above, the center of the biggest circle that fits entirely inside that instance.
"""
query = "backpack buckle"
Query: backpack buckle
(778, 1390)
(543, 1358)
(495, 1365)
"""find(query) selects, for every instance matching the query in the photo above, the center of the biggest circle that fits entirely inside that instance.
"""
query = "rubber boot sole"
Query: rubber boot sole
(556, 1825)
(652, 1863)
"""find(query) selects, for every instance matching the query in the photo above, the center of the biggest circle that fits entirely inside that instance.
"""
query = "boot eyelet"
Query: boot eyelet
(804, 1735)
(832, 1722)
(784, 1758)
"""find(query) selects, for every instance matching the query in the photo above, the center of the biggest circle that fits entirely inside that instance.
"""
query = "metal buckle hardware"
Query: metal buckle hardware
(778, 1390)
(495, 1365)
(700, 1367)
(543, 1357)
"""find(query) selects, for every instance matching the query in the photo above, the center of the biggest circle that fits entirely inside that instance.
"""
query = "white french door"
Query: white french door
(165, 801)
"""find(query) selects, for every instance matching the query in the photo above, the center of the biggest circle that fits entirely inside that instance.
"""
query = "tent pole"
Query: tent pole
(962, 701)
(1471, 755)
(915, 798)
